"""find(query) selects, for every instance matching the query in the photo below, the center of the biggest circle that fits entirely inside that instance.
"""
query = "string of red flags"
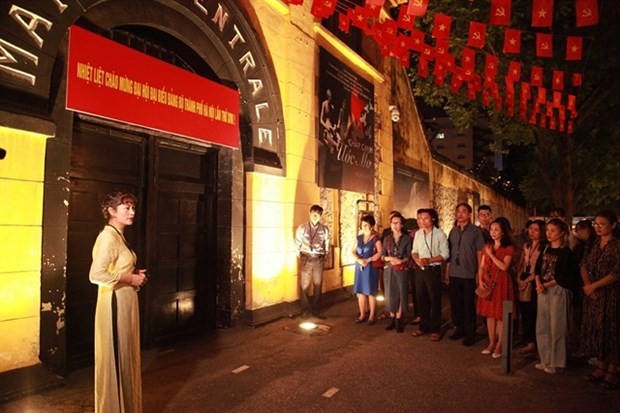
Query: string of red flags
(545, 98)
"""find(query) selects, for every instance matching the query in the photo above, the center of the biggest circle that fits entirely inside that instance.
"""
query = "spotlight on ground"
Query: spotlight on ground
(307, 325)
(380, 297)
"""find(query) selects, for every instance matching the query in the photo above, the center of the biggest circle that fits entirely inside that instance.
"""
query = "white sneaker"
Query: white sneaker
(550, 370)
(540, 366)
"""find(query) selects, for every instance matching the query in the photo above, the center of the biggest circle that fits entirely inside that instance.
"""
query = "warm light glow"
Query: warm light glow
(346, 52)
(307, 325)
(278, 6)
(380, 297)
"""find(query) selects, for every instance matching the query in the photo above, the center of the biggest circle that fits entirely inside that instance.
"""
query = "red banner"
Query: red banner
(417, 7)
(113, 81)
(477, 34)
(542, 13)
(544, 45)
(586, 12)
(500, 12)
(512, 41)
(574, 47)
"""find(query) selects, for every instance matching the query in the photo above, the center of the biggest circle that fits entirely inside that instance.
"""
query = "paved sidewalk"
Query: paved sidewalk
(341, 367)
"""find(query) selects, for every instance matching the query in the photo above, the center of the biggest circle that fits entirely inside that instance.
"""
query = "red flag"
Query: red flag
(403, 41)
(471, 91)
(574, 47)
(477, 34)
(544, 45)
(587, 12)
(572, 100)
(456, 84)
(428, 53)
(490, 67)
(468, 58)
(537, 76)
(374, 9)
(405, 20)
(417, 7)
(442, 48)
(404, 58)
(500, 12)
(542, 95)
(423, 67)
(510, 86)
(417, 40)
(514, 71)
(558, 80)
(542, 13)
(485, 98)
(557, 99)
(526, 92)
(441, 26)
(343, 22)
(359, 17)
(569, 127)
(577, 79)
(512, 41)
(323, 8)
(552, 124)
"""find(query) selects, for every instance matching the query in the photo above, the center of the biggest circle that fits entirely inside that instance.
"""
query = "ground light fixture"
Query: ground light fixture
(307, 325)
(380, 297)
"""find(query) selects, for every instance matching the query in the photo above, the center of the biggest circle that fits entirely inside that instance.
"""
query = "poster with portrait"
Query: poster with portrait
(345, 130)
(411, 190)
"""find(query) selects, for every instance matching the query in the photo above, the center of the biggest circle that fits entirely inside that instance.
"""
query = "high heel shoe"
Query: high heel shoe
(371, 321)
(360, 320)
(392, 324)
(488, 350)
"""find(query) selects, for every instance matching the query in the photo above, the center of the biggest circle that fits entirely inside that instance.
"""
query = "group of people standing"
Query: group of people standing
(553, 288)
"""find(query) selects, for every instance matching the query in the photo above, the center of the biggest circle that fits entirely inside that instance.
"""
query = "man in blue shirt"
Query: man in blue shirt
(466, 243)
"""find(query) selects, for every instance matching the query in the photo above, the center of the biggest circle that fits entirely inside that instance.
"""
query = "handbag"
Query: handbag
(525, 295)
(379, 263)
(484, 292)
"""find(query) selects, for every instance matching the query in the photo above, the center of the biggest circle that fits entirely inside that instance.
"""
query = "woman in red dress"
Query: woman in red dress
(493, 272)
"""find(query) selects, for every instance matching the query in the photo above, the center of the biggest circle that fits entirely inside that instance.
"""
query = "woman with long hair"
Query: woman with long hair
(553, 282)
(526, 283)
(493, 273)
(600, 271)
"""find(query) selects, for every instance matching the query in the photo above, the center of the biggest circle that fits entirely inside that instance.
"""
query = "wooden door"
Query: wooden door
(181, 291)
(173, 234)
(102, 160)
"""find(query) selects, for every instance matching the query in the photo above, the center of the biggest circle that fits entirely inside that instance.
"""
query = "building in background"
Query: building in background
(217, 208)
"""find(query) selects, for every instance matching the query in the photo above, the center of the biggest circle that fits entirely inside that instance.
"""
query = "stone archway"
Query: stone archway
(219, 33)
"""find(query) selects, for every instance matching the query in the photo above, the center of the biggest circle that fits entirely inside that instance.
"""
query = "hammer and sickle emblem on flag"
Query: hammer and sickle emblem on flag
(327, 3)
(500, 12)
(406, 18)
(586, 12)
(544, 46)
(536, 77)
(441, 50)
(476, 36)
(417, 3)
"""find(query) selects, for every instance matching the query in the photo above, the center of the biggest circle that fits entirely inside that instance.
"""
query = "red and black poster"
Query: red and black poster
(346, 138)
(411, 190)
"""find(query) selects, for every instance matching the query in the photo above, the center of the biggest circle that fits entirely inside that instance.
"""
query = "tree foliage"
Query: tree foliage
(579, 172)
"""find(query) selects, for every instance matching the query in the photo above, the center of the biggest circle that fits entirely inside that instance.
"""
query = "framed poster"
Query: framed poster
(345, 130)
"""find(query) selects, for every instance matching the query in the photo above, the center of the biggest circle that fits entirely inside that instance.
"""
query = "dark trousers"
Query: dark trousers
(428, 298)
(528, 319)
(311, 273)
(463, 306)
